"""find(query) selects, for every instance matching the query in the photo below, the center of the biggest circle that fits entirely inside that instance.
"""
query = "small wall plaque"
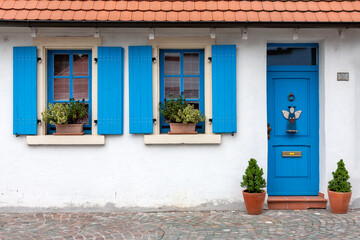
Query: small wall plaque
(343, 76)
(291, 153)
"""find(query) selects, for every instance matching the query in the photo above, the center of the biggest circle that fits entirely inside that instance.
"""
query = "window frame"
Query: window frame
(44, 44)
(51, 77)
(200, 127)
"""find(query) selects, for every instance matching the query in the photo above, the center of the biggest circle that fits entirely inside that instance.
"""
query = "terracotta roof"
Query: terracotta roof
(180, 11)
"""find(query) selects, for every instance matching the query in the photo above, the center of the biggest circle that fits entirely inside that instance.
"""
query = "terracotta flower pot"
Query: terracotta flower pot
(69, 129)
(339, 201)
(254, 202)
(182, 128)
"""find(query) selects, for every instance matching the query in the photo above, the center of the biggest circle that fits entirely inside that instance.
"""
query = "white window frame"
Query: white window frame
(182, 43)
(44, 44)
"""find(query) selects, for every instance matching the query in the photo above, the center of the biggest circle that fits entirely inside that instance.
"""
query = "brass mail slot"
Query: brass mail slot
(291, 153)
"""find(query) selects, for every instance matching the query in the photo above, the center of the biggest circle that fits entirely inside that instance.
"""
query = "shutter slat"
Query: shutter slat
(224, 88)
(25, 90)
(140, 89)
(110, 90)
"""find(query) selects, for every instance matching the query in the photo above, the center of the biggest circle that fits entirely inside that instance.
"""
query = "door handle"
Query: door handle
(268, 130)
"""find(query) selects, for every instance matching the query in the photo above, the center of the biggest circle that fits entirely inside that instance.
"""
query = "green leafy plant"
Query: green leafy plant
(179, 111)
(78, 111)
(189, 115)
(340, 182)
(252, 179)
(56, 114)
(64, 113)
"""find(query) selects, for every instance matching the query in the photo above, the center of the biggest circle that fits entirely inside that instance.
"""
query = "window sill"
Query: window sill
(65, 140)
(182, 139)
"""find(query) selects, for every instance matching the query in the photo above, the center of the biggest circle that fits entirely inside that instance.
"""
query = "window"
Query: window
(288, 55)
(69, 76)
(182, 71)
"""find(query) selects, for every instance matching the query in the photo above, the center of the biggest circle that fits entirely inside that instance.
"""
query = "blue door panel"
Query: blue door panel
(293, 175)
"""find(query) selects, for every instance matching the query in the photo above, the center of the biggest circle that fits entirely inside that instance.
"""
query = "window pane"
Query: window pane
(191, 87)
(81, 88)
(172, 87)
(80, 65)
(291, 56)
(61, 65)
(61, 89)
(172, 63)
(191, 63)
(86, 119)
(195, 104)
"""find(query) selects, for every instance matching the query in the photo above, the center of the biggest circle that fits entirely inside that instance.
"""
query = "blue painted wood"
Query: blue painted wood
(224, 88)
(50, 86)
(25, 90)
(298, 175)
(110, 90)
(200, 127)
(140, 89)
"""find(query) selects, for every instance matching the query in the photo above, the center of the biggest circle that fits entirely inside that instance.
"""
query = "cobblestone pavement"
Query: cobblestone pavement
(306, 224)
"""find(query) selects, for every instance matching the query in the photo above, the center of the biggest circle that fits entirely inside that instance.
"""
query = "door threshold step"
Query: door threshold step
(296, 202)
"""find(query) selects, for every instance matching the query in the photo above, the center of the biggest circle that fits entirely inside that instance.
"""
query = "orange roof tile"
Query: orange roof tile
(182, 10)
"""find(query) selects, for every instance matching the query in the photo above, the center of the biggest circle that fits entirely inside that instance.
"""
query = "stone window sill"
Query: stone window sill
(182, 139)
(66, 140)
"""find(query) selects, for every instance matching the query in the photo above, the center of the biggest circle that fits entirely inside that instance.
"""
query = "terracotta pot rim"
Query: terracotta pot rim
(340, 192)
(181, 123)
(264, 191)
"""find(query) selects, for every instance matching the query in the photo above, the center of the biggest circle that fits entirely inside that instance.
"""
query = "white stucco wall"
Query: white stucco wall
(126, 173)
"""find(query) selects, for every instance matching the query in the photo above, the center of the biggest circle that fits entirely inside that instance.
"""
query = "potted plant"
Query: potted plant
(339, 189)
(67, 117)
(181, 116)
(253, 181)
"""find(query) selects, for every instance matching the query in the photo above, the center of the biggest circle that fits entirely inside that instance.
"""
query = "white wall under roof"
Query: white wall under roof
(126, 173)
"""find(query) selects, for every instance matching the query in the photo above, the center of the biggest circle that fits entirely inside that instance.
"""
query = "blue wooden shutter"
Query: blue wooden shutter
(25, 90)
(224, 88)
(140, 85)
(110, 90)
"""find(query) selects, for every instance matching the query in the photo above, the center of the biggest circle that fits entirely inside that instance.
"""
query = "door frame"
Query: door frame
(298, 68)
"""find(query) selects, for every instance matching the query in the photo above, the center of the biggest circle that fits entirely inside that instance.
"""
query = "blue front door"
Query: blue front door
(293, 115)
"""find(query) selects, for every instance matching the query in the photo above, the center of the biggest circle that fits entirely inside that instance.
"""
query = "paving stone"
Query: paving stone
(305, 224)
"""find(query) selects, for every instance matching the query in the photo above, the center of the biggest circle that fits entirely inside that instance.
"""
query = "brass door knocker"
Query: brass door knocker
(291, 97)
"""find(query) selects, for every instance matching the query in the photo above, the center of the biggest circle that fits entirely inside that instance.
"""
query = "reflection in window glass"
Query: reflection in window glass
(81, 88)
(172, 87)
(191, 87)
(172, 63)
(80, 65)
(61, 89)
(61, 65)
(191, 63)
(291, 56)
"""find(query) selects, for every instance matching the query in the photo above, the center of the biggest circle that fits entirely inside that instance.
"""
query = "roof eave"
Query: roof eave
(167, 24)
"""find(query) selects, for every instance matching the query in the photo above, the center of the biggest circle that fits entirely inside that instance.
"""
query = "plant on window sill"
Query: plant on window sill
(67, 117)
(181, 115)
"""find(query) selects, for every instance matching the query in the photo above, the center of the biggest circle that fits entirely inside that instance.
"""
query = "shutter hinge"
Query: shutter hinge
(154, 120)
(210, 120)
(95, 121)
(95, 60)
(39, 122)
(232, 134)
(39, 60)
(154, 60)
(209, 59)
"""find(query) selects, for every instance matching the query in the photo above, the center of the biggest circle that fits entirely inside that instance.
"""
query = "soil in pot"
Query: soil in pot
(254, 202)
(339, 201)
